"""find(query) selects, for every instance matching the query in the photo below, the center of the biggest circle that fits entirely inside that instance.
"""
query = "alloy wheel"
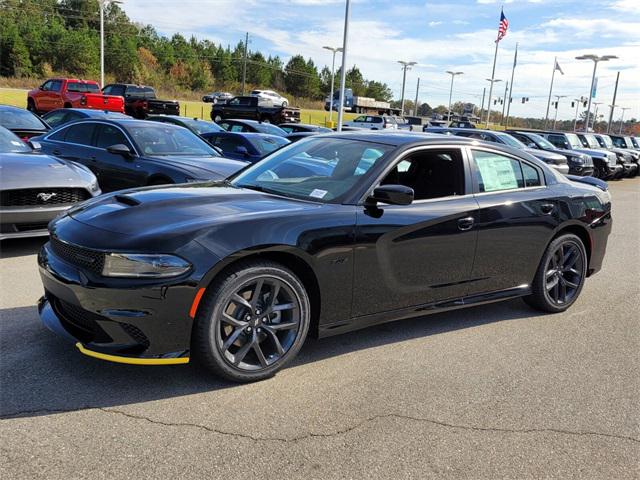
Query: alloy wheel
(564, 273)
(259, 324)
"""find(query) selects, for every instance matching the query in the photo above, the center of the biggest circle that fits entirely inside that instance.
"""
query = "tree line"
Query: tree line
(39, 38)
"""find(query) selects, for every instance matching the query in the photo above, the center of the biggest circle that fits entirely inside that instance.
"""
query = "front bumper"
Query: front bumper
(630, 169)
(142, 324)
(581, 170)
(20, 222)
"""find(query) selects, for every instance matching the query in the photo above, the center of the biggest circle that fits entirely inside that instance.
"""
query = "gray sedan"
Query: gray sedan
(35, 188)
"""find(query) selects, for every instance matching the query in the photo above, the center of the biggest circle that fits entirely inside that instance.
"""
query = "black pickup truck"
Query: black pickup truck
(254, 108)
(140, 101)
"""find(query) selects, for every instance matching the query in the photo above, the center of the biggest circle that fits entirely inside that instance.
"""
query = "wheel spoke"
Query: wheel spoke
(226, 318)
(570, 258)
(282, 306)
(563, 291)
(256, 293)
(275, 340)
(231, 339)
(551, 284)
(259, 354)
(570, 284)
(277, 327)
(240, 354)
(274, 294)
(550, 273)
(573, 271)
(556, 291)
(240, 300)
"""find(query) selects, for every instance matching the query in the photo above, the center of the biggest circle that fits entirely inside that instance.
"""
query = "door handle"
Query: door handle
(547, 208)
(56, 152)
(465, 223)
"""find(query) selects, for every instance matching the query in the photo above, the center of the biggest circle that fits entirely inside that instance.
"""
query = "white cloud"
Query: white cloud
(434, 23)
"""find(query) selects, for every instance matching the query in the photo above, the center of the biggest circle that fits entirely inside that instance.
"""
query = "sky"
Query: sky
(438, 35)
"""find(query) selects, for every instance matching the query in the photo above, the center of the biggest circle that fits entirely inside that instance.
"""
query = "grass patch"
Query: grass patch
(188, 108)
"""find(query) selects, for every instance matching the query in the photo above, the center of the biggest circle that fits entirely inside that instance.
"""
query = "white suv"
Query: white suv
(276, 98)
(373, 122)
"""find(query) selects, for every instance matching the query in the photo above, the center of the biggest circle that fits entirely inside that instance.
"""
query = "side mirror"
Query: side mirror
(120, 149)
(392, 195)
(35, 145)
(532, 145)
(242, 150)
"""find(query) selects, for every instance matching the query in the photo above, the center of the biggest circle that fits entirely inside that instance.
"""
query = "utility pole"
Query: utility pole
(578, 101)
(595, 115)
(513, 71)
(416, 102)
(622, 119)
(405, 66)
(613, 103)
(244, 68)
(102, 4)
(453, 74)
(343, 73)
(555, 117)
(333, 68)
(484, 91)
(504, 103)
(595, 59)
(492, 80)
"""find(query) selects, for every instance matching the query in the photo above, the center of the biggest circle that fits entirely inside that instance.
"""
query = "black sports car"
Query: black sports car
(391, 226)
(134, 153)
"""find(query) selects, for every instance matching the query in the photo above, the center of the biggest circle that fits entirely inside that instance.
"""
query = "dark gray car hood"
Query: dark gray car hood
(36, 170)
(201, 167)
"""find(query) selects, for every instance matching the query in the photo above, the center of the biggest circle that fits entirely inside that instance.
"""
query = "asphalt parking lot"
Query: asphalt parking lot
(498, 391)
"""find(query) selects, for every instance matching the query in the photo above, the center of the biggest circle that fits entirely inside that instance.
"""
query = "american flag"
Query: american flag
(502, 28)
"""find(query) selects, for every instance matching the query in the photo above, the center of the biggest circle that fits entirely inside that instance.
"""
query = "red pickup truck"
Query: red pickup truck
(71, 93)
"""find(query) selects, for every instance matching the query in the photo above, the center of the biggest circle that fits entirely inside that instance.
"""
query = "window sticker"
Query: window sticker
(317, 193)
(497, 172)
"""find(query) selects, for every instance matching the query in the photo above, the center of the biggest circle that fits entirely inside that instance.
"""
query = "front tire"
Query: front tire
(31, 106)
(560, 275)
(252, 321)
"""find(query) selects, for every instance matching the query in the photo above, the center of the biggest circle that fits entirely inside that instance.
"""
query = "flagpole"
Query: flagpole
(493, 74)
(553, 74)
(513, 71)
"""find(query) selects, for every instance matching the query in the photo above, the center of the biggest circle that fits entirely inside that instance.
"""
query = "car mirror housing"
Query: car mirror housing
(392, 195)
(242, 150)
(35, 145)
(120, 149)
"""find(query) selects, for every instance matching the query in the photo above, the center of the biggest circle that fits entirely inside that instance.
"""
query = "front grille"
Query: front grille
(42, 196)
(82, 323)
(92, 260)
(28, 227)
(136, 334)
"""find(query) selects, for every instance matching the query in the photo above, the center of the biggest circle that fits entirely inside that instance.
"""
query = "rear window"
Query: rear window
(78, 87)
(140, 92)
(19, 119)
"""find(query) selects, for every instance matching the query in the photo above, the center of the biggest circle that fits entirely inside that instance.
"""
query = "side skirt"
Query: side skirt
(364, 321)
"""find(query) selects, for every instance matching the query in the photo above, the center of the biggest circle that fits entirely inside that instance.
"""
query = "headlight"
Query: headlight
(579, 160)
(134, 265)
(94, 187)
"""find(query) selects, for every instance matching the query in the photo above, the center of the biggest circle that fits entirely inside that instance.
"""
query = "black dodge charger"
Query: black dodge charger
(370, 228)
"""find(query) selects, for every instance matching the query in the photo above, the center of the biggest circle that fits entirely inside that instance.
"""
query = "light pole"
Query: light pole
(555, 118)
(343, 72)
(595, 59)
(611, 110)
(333, 69)
(103, 4)
(492, 80)
(453, 74)
(578, 101)
(405, 66)
(622, 119)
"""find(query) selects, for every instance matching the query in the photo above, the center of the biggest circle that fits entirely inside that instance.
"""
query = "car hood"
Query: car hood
(568, 153)
(593, 152)
(36, 170)
(546, 156)
(202, 167)
(184, 208)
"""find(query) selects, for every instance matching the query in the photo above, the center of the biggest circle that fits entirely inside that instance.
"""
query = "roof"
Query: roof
(398, 138)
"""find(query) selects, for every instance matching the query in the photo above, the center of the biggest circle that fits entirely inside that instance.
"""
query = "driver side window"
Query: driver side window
(431, 173)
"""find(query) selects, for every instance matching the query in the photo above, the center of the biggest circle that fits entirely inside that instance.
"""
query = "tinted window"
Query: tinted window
(74, 87)
(495, 172)
(228, 143)
(157, 139)
(531, 176)
(46, 86)
(269, 144)
(109, 135)
(56, 85)
(430, 173)
(270, 129)
(18, 119)
(56, 118)
(557, 140)
(58, 135)
(80, 133)
(202, 126)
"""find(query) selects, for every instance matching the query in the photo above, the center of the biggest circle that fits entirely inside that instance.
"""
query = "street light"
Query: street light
(622, 119)
(343, 73)
(453, 74)
(405, 66)
(555, 118)
(492, 80)
(103, 4)
(333, 68)
(595, 59)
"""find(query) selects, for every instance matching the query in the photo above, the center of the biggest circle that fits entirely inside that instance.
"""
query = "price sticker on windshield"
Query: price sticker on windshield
(317, 193)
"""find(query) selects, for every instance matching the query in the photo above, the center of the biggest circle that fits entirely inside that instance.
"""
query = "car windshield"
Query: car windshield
(9, 143)
(574, 141)
(540, 141)
(628, 141)
(607, 141)
(17, 119)
(635, 141)
(270, 129)
(202, 126)
(321, 169)
(269, 144)
(591, 141)
(509, 140)
(160, 139)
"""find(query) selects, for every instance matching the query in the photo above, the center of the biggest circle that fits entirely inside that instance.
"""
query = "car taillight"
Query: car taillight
(25, 139)
(83, 100)
(145, 104)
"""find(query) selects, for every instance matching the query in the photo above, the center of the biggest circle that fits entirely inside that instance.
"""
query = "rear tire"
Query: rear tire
(31, 106)
(560, 275)
(246, 336)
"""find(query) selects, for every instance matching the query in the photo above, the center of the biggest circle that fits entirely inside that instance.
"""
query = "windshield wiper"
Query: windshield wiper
(260, 188)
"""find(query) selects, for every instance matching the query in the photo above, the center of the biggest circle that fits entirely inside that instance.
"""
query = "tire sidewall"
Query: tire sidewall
(212, 316)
